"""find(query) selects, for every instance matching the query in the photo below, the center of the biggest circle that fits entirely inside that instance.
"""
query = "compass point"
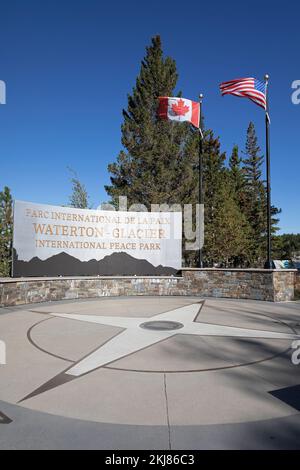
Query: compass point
(56, 381)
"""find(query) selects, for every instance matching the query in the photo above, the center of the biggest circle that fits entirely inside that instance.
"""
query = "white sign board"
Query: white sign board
(54, 240)
(283, 264)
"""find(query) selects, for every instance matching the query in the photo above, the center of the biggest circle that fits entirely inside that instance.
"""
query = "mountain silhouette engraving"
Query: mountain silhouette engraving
(62, 264)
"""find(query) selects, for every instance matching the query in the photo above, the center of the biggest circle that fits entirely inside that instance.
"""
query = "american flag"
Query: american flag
(250, 88)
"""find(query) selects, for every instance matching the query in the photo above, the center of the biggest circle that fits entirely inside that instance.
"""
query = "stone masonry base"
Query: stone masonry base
(256, 284)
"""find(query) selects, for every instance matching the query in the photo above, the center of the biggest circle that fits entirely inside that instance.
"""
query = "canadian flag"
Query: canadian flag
(179, 109)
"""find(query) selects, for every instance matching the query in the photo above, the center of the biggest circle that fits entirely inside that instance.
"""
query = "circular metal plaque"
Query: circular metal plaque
(162, 325)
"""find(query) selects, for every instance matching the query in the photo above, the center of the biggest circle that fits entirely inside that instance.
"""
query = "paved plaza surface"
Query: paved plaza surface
(150, 373)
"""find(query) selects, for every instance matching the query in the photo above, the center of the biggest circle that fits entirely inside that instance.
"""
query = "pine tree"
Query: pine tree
(159, 164)
(235, 160)
(188, 187)
(287, 246)
(228, 234)
(6, 231)
(79, 197)
(237, 175)
(213, 178)
(149, 169)
(255, 204)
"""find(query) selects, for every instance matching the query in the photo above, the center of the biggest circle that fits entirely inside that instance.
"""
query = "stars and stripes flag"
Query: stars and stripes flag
(179, 109)
(250, 88)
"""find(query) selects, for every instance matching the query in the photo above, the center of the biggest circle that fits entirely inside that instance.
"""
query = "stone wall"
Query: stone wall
(269, 285)
(284, 285)
(18, 292)
(297, 285)
(234, 283)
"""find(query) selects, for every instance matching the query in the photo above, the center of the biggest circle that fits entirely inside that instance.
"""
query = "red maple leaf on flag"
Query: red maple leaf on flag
(179, 108)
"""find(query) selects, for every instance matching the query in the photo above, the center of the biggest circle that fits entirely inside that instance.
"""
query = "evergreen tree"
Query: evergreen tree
(287, 246)
(255, 204)
(6, 231)
(160, 163)
(149, 169)
(228, 234)
(237, 175)
(255, 194)
(253, 161)
(213, 177)
(235, 160)
(275, 211)
(188, 187)
(79, 197)
(227, 238)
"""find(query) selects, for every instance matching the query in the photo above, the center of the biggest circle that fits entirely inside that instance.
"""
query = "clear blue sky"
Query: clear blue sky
(68, 66)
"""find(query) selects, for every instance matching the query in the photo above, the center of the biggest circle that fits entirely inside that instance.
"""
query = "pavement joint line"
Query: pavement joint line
(256, 416)
(167, 409)
(202, 302)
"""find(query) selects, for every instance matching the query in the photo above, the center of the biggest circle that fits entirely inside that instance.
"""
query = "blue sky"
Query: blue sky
(68, 66)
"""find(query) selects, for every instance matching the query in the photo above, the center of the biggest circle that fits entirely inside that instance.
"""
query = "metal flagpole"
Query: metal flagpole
(201, 195)
(268, 263)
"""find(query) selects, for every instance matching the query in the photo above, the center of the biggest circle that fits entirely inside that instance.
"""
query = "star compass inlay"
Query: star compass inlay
(139, 333)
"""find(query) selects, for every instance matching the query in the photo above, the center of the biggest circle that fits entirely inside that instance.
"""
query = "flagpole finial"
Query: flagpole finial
(267, 77)
(201, 96)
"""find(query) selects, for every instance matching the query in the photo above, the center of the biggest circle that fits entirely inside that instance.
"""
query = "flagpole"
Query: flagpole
(268, 263)
(201, 194)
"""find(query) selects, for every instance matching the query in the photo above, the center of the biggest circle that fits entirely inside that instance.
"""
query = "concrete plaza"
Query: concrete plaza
(150, 373)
